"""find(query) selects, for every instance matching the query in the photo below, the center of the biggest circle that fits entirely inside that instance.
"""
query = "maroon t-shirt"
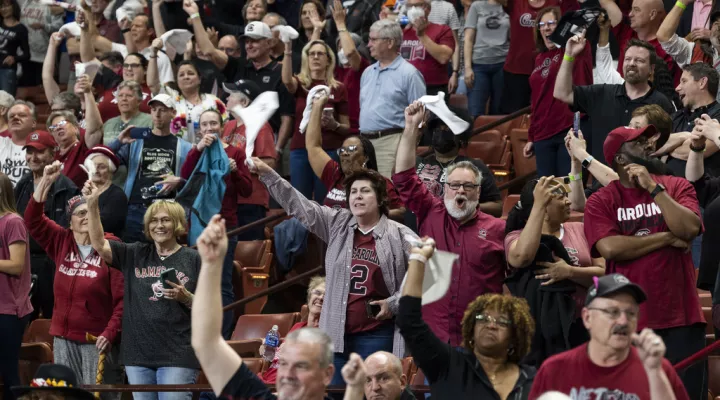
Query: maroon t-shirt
(14, 290)
(351, 79)
(667, 275)
(107, 103)
(333, 177)
(550, 115)
(414, 52)
(338, 100)
(72, 160)
(366, 284)
(623, 32)
(574, 374)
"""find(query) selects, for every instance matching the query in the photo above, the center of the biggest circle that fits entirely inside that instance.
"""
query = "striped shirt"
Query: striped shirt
(443, 13)
(336, 227)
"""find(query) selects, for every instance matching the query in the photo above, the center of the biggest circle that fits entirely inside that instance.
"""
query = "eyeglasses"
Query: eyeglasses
(80, 214)
(58, 125)
(128, 66)
(614, 313)
(372, 39)
(548, 23)
(501, 322)
(347, 149)
(467, 186)
(317, 54)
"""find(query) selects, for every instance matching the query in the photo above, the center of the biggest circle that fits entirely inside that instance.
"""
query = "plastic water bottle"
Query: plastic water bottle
(272, 341)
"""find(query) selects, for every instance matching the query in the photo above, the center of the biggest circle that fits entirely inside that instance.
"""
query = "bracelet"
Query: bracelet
(342, 30)
(679, 4)
(418, 257)
(697, 149)
(576, 177)
(568, 58)
(195, 15)
(288, 53)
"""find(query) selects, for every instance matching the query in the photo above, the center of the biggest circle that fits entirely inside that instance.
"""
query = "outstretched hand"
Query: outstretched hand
(213, 243)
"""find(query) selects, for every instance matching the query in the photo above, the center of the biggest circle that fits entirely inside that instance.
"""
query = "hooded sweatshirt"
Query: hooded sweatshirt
(88, 294)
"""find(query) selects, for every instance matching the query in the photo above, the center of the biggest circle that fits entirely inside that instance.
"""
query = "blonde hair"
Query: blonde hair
(174, 210)
(7, 196)
(304, 75)
(315, 281)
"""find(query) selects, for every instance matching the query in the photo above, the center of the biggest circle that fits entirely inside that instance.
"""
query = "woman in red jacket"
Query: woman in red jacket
(88, 294)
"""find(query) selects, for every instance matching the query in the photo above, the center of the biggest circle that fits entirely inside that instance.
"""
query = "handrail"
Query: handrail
(516, 180)
(262, 221)
(202, 387)
(273, 289)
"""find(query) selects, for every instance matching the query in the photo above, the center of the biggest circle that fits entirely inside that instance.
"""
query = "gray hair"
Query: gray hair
(27, 104)
(6, 99)
(315, 336)
(69, 100)
(132, 85)
(68, 115)
(281, 19)
(111, 165)
(469, 166)
(388, 29)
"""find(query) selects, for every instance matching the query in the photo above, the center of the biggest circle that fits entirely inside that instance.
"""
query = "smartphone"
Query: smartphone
(372, 309)
(169, 275)
(328, 111)
(140, 133)
(576, 123)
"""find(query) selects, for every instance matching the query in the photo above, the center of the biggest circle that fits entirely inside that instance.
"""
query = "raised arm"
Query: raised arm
(153, 74)
(670, 24)
(601, 172)
(287, 73)
(613, 11)
(354, 375)
(441, 52)
(48, 70)
(87, 48)
(606, 71)
(651, 350)
(93, 120)
(564, 81)
(313, 138)
(346, 41)
(95, 228)
(577, 190)
(522, 251)
(218, 360)
(695, 167)
(219, 58)
(405, 156)
(158, 23)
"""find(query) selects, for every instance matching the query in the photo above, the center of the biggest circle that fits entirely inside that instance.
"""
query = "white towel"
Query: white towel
(62, 4)
(174, 41)
(90, 68)
(130, 9)
(438, 272)
(71, 29)
(287, 33)
(254, 117)
(308, 105)
(437, 105)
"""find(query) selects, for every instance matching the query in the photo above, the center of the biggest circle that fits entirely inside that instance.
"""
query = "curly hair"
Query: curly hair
(521, 331)
(378, 184)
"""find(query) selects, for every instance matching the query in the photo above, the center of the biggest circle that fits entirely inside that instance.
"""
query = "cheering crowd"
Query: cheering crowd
(182, 120)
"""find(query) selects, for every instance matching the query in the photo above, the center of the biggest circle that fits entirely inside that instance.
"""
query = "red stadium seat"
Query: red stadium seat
(521, 165)
(714, 375)
(256, 326)
(32, 355)
(253, 260)
(39, 332)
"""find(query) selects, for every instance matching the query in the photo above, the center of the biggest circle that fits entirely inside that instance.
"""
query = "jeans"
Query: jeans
(11, 333)
(488, 85)
(363, 343)
(161, 376)
(303, 178)
(8, 80)
(551, 156)
(247, 213)
(134, 224)
(228, 294)
(462, 87)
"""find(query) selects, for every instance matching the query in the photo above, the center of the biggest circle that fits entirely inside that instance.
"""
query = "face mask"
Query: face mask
(342, 58)
(413, 13)
(443, 141)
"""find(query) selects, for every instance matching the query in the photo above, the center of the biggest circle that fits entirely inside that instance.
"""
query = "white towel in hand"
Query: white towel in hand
(71, 29)
(129, 9)
(287, 33)
(437, 105)
(438, 272)
(90, 68)
(254, 117)
(308, 105)
(175, 41)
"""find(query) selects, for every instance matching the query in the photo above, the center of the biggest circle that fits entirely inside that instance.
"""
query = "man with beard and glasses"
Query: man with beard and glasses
(610, 106)
(432, 169)
(617, 362)
(642, 225)
(305, 367)
(457, 225)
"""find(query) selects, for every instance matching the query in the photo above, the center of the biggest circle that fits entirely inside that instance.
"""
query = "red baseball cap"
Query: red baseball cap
(40, 140)
(104, 150)
(619, 136)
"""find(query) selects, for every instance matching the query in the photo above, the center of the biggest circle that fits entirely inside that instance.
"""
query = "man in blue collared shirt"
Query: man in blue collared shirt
(386, 88)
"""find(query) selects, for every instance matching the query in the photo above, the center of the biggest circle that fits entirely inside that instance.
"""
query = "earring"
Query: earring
(364, 164)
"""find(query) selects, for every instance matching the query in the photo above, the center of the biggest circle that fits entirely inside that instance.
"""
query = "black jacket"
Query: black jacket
(454, 374)
(56, 205)
(552, 306)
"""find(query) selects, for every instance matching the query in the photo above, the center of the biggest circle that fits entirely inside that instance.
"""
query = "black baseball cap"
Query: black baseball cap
(244, 86)
(614, 283)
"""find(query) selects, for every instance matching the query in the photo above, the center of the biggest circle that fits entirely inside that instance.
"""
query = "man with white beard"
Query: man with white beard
(457, 225)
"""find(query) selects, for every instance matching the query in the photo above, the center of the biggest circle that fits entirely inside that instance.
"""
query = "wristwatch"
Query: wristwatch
(586, 162)
(658, 188)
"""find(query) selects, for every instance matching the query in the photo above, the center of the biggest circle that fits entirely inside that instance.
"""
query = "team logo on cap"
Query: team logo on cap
(620, 279)
(34, 136)
(250, 28)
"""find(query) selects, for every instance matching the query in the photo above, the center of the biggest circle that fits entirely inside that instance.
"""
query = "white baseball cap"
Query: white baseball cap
(258, 30)
(164, 99)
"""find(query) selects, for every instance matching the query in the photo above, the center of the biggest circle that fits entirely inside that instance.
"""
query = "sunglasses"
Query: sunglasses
(348, 149)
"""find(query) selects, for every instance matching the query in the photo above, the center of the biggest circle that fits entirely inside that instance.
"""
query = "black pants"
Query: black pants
(11, 333)
(43, 298)
(682, 342)
(516, 89)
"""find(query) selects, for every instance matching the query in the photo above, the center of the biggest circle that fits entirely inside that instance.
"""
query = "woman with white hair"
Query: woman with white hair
(101, 164)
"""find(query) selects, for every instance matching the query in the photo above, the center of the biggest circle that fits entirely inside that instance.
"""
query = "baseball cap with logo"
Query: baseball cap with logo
(40, 140)
(619, 136)
(163, 99)
(257, 30)
(244, 86)
(608, 285)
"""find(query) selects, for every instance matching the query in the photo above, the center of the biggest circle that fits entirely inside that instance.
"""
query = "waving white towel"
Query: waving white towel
(308, 104)
(71, 29)
(175, 40)
(130, 9)
(254, 117)
(90, 68)
(62, 4)
(438, 272)
(287, 33)
(437, 105)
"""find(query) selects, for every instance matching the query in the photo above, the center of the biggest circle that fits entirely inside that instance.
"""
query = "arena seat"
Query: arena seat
(495, 154)
(32, 355)
(256, 326)
(39, 332)
(509, 203)
(459, 100)
(709, 329)
(521, 165)
(714, 375)
(408, 367)
(252, 261)
(504, 128)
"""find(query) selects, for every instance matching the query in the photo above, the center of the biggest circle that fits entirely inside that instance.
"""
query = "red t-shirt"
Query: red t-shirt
(667, 275)
(521, 55)
(72, 160)
(550, 115)
(338, 100)
(333, 177)
(264, 148)
(107, 103)
(624, 33)
(366, 284)
(414, 52)
(351, 80)
(573, 373)
(14, 290)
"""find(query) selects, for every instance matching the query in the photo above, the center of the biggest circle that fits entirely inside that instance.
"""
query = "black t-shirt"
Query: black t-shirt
(434, 175)
(684, 121)
(245, 385)
(158, 157)
(156, 331)
(113, 210)
(14, 41)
